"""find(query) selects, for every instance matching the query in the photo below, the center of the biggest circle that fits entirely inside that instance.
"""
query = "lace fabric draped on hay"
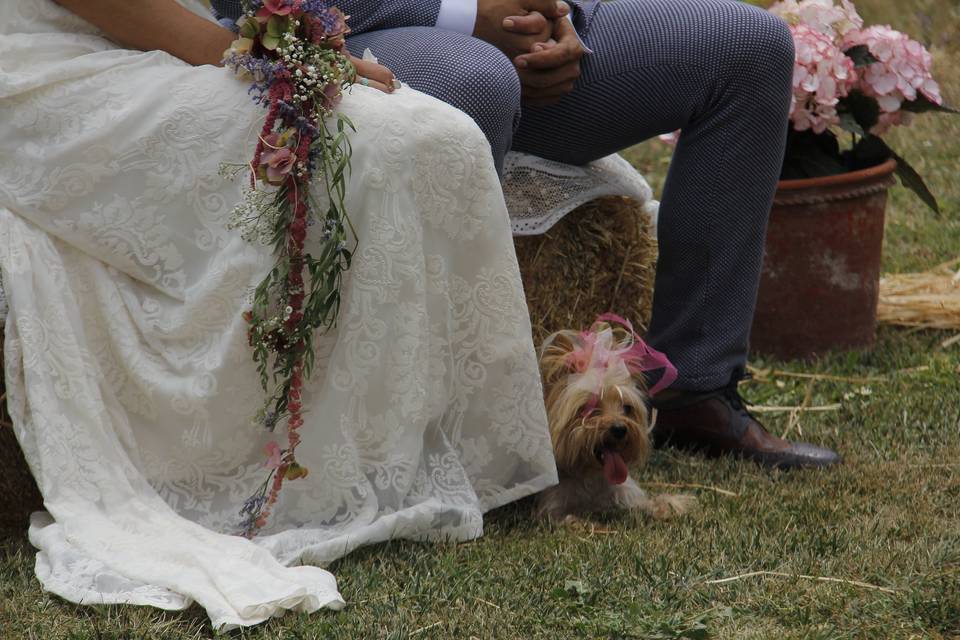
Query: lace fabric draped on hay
(294, 52)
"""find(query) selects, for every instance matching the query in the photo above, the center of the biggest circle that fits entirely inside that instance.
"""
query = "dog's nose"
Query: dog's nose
(618, 431)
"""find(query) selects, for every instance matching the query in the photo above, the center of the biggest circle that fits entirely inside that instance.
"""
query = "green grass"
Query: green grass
(888, 517)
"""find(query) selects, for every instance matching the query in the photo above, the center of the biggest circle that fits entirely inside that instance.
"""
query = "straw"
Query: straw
(928, 300)
(600, 257)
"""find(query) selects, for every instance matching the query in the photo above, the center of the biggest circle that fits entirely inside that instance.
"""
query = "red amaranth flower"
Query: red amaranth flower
(282, 158)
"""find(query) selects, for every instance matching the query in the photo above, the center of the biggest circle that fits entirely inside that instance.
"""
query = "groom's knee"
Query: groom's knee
(487, 88)
(482, 82)
(467, 73)
(757, 44)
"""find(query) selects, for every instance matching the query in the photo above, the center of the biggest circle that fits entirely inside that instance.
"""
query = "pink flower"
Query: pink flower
(276, 7)
(823, 16)
(277, 160)
(273, 455)
(670, 138)
(901, 74)
(278, 163)
(822, 75)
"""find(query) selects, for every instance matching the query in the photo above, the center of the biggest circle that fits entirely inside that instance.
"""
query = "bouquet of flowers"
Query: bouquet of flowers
(852, 79)
(294, 53)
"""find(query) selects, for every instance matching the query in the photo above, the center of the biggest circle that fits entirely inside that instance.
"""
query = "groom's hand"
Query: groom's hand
(550, 70)
(514, 26)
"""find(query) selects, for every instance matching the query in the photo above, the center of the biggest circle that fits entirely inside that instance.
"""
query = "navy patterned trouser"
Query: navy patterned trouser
(721, 71)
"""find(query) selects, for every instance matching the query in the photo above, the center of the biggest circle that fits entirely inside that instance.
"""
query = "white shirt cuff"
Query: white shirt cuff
(458, 15)
(582, 43)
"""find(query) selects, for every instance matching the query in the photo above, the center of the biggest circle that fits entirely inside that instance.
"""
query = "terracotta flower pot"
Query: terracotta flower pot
(821, 271)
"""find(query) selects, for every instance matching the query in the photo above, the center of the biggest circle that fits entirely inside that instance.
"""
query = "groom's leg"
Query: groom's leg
(720, 70)
(465, 72)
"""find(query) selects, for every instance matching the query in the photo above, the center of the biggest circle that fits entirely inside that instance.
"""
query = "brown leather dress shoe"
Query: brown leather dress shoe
(718, 423)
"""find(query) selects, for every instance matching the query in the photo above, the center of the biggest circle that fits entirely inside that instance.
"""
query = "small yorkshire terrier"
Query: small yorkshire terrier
(595, 396)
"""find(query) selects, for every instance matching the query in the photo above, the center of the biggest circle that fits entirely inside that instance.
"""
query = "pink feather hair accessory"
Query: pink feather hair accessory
(600, 351)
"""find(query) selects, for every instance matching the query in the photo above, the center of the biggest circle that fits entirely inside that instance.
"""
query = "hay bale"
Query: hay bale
(928, 300)
(19, 494)
(601, 257)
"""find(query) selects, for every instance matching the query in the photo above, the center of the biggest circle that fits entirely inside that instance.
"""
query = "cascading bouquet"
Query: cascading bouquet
(294, 53)
(857, 80)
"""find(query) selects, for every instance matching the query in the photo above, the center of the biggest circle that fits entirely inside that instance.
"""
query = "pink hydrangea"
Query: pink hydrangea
(821, 76)
(825, 16)
(901, 74)
(670, 138)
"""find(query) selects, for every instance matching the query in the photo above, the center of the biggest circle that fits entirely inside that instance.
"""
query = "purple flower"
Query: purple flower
(252, 504)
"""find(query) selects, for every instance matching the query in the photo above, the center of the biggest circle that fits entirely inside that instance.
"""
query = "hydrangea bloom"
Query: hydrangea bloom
(821, 76)
(901, 73)
(824, 16)
(670, 138)
(823, 32)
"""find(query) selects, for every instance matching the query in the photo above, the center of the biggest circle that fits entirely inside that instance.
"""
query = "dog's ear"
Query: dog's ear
(555, 354)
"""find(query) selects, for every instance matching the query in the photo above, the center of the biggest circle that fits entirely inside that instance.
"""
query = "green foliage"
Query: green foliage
(862, 110)
(860, 55)
(810, 155)
(923, 105)
(911, 179)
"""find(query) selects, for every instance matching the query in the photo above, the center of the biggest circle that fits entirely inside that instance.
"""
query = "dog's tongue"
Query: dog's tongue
(614, 468)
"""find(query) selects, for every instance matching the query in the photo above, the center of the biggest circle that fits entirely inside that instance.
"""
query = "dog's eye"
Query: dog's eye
(628, 410)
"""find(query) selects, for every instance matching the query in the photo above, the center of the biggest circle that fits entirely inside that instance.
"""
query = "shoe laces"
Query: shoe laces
(732, 393)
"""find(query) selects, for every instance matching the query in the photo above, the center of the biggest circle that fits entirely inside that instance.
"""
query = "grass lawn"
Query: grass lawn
(885, 525)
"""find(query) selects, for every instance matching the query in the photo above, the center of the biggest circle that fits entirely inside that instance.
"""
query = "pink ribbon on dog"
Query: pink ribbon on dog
(641, 357)
(638, 358)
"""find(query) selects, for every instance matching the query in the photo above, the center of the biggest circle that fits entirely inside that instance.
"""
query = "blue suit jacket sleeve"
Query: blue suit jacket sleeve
(583, 11)
(365, 15)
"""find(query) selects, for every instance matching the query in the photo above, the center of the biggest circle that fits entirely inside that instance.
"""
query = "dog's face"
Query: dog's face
(598, 421)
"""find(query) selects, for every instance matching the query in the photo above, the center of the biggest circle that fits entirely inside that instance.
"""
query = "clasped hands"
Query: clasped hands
(542, 43)
(535, 34)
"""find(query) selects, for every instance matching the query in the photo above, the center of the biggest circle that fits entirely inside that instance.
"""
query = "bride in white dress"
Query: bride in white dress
(130, 380)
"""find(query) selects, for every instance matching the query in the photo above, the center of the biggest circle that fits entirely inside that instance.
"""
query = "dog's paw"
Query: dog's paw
(666, 506)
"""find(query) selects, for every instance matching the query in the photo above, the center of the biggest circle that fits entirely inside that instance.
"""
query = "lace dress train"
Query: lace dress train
(129, 377)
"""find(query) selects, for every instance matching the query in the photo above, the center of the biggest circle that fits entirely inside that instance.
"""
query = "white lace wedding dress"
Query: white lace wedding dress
(130, 381)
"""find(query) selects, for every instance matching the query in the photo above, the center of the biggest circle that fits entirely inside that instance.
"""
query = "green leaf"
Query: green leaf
(912, 180)
(860, 55)
(869, 151)
(270, 42)
(864, 109)
(811, 155)
(277, 25)
(923, 104)
(849, 123)
(250, 28)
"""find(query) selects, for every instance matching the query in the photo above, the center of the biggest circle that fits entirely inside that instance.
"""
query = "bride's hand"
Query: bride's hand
(372, 74)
